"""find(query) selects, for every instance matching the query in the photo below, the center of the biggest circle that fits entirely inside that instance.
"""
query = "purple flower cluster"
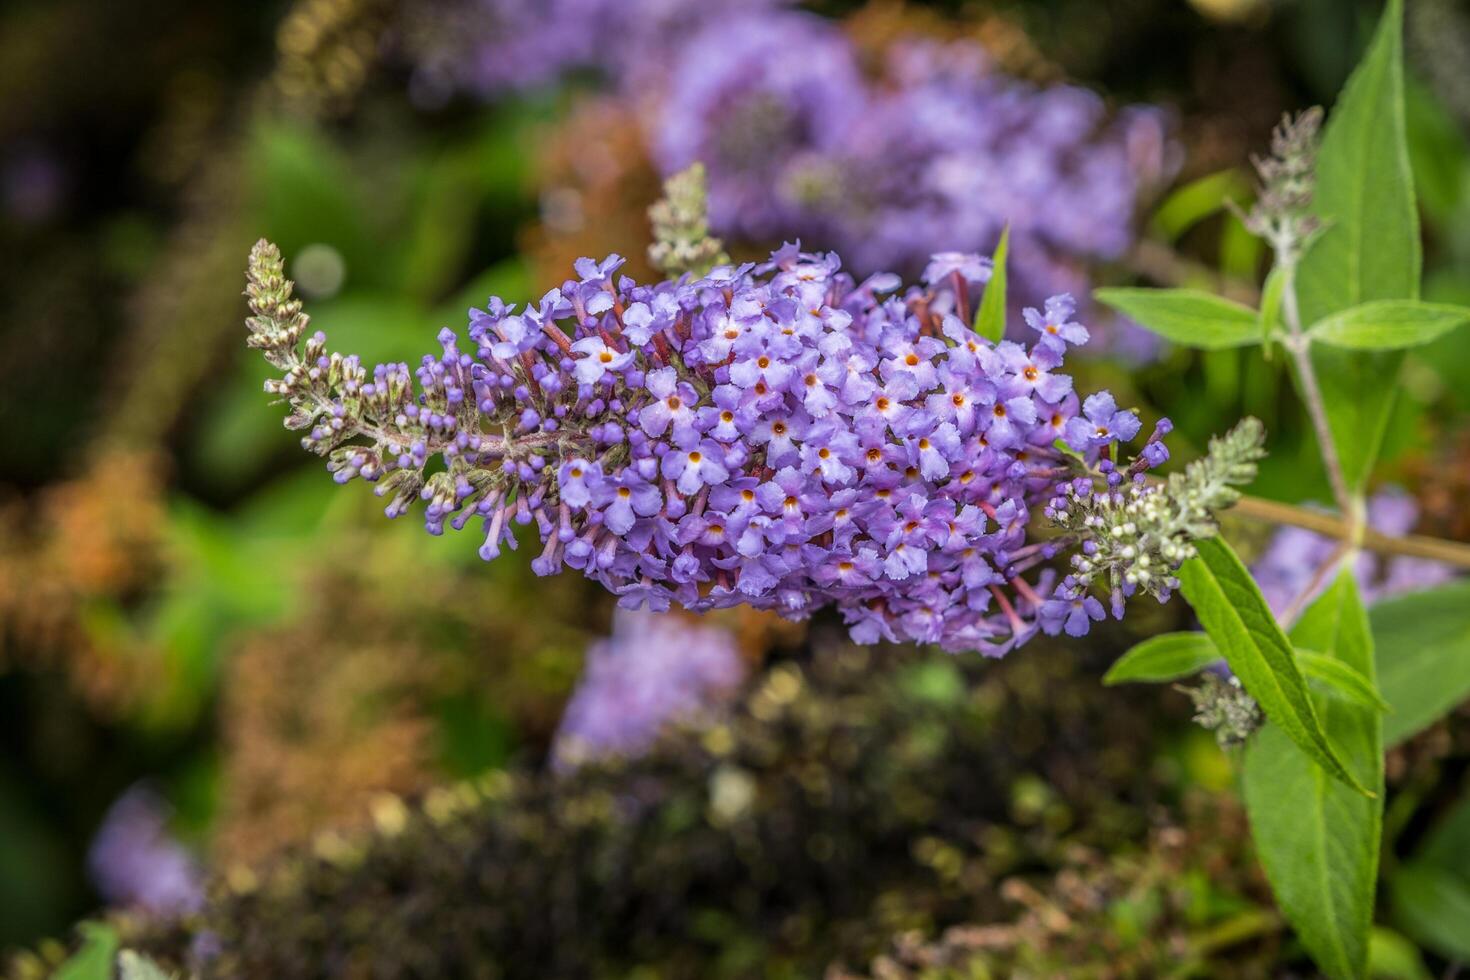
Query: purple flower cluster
(135, 862)
(935, 147)
(778, 435)
(943, 149)
(492, 47)
(654, 670)
(1292, 559)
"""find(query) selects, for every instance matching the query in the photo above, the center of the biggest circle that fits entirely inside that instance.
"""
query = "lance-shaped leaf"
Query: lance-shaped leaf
(1188, 317)
(1423, 646)
(1162, 658)
(1318, 839)
(1369, 248)
(1233, 612)
(990, 319)
(1389, 324)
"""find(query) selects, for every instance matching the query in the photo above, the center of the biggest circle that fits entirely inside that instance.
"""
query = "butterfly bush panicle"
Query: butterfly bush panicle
(654, 670)
(1133, 532)
(777, 434)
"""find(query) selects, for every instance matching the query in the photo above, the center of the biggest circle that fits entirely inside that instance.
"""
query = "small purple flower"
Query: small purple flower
(1056, 326)
(694, 468)
(673, 403)
(1104, 423)
(598, 359)
(1072, 614)
(578, 480)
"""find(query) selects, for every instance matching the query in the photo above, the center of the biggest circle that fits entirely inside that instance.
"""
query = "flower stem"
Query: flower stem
(1299, 348)
(1412, 545)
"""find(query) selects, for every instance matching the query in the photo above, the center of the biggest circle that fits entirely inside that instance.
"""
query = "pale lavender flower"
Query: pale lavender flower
(1287, 566)
(653, 671)
(135, 862)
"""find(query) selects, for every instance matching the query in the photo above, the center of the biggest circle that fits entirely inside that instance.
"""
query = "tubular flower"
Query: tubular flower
(777, 435)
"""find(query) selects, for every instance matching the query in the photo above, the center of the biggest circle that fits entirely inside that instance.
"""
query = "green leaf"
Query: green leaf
(1423, 644)
(1448, 844)
(1187, 316)
(1233, 611)
(1389, 324)
(1359, 389)
(1197, 200)
(1392, 957)
(1271, 293)
(1162, 658)
(1317, 839)
(94, 960)
(1432, 904)
(990, 319)
(1341, 680)
(1369, 249)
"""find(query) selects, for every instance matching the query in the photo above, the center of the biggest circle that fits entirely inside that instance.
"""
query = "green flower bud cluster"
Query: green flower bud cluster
(1281, 214)
(682, 242)
(1134, 532)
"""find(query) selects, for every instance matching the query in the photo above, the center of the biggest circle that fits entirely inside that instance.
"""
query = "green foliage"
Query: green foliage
(1392, 957)
(1318, 839)
(93, 961)
(1171, 656)
(1341, 680)
(1233, 612)
(1369, 248)
(990, 319)
(1187, 316)
(1388, 325)
(1432, 904)
(1423, 653)
(1272, 295)
(1166, 657)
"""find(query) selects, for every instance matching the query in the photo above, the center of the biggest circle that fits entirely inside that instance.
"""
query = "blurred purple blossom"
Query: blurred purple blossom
(1294, 555)
(654, 670)
(935, 149)
(135, 862)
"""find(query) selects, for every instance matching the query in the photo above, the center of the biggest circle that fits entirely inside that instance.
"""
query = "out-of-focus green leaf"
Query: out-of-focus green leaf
(1233, 612)
(94, 960)
(990, 319)
(1197, 200)
(1392, 957)
(509, 279)
(1369, 249)
(303, 192)
(1270, 315)
(1423, 652)
(1317, 838)
(1448, 845)
(1438, 152)
(1432, 904)
(1187, 316)
(1162, 658)
(1389, 325)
